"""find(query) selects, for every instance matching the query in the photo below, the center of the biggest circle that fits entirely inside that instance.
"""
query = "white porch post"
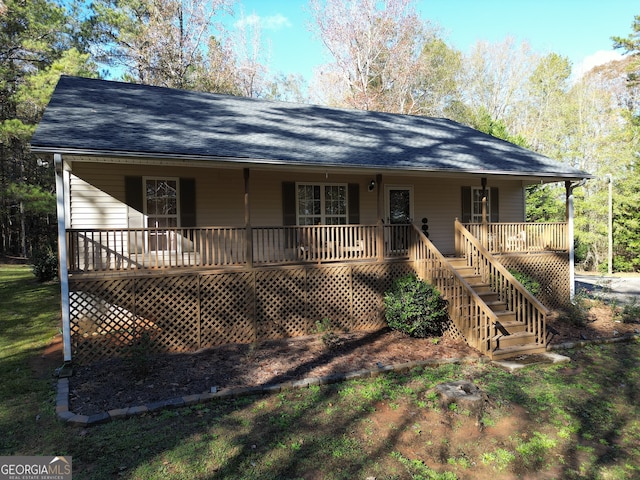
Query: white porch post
(570, 241)
(63, 271)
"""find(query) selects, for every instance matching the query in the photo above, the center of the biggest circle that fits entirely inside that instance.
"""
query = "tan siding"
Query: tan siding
(93, 207)
(98, 196)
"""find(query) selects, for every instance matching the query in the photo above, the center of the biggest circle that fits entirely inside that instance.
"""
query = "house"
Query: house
(197, 219)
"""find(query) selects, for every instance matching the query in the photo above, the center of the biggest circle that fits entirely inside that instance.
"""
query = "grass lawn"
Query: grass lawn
(576, 420)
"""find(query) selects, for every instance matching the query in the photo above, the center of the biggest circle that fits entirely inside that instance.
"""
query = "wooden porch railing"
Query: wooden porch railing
(526, 307)
(145, 248)
(93, 250)
(520, 237)
(469, 313)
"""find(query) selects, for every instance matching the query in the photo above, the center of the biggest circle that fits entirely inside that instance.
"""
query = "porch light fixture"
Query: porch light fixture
(372, 185)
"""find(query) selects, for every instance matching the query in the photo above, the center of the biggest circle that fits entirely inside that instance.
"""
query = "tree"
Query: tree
(376, 48)
(494, 76)
(157, 42)
(631, 44)
(435, 90)
(34, 42)
(604, 140)
(540, 115)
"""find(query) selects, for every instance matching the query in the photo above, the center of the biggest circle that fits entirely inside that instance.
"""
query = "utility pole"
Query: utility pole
(609, 180)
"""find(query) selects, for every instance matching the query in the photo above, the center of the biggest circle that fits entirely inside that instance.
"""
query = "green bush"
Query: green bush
(415, 308)
(45, 264)
(527, 282)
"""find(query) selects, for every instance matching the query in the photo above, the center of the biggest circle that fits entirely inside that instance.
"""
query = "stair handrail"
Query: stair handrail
(468, 311)
(528, 308)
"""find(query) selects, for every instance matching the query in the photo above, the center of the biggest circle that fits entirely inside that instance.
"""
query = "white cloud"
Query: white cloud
(272, 22)
(599, 58)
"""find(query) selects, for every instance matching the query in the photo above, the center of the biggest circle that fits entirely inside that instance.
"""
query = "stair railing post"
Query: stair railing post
(485, 224)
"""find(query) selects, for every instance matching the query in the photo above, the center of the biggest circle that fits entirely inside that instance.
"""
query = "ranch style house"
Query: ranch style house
(197, 219)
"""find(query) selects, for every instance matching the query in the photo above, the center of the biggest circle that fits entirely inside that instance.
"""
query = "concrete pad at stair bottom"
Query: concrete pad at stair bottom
(548, 357)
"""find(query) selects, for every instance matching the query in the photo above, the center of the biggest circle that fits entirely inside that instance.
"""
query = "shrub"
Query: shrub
(415, 308)
(138, 355)
(45, 264)
(532, 285)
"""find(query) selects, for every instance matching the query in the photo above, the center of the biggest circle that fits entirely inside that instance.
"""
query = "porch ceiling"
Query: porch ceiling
(113, 119)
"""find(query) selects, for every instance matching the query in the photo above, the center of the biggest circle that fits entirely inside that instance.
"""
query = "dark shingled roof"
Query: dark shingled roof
(98, 117)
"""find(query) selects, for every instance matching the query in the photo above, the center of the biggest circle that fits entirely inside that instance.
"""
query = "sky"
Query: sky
(578, 29)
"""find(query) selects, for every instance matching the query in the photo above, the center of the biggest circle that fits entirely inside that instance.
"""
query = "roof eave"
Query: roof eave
(546, 177)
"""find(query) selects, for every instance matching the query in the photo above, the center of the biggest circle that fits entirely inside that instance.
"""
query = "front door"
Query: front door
(161, 212)
(399, 208)
(398, 213)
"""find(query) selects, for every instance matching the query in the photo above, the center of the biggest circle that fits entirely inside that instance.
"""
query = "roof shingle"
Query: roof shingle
(114, 118)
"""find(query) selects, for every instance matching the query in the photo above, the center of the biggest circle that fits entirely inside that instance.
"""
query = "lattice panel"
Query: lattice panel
(101, 318)
(171, 304)
(281, 303)
(370, 282)
(367, 308)
(189, 311)
(329, 295)
(550, 270)
(227, 309)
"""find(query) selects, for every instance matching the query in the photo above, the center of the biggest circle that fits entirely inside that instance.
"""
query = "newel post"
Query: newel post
(485, 226)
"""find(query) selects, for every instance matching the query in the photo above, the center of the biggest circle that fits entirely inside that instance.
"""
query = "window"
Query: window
(321, 204)
(476, 205)
(161, 202)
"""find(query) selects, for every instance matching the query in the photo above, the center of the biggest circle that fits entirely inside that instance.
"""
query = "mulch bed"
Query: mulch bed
(118, 383)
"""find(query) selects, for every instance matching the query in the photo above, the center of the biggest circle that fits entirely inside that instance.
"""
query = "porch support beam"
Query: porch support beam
(380, 213)
(570, 243)
(247, 218)
(63, 272)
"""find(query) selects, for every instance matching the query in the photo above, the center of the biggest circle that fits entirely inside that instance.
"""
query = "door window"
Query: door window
(399, 206)
(161, 210)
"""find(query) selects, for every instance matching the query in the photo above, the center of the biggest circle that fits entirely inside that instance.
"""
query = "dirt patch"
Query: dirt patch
(600, 322)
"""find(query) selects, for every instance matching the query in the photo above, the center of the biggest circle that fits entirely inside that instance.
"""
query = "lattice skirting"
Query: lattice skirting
(190, 311)
(550, 270)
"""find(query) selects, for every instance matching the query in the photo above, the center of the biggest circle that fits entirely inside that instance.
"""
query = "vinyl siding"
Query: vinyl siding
(97, 196)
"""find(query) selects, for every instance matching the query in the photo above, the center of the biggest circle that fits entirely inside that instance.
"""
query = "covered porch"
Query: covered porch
(241, 285)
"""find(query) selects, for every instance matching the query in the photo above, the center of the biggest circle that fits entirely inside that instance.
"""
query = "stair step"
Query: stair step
(465, 272)
(473, 280)
(496, 305)
(458, 262)
(481, 288)
(487, 296)
(519, 338)
(509, 352)
(506, 316)
(508, 325)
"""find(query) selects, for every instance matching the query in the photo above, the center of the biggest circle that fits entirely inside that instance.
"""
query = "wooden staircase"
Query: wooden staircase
(509, 336)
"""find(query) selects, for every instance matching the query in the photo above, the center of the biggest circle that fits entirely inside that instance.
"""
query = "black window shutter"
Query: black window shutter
(187, 202)
(466, 204)
(133, 193)
(289, 203)
(354, 203)
(495, 201)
